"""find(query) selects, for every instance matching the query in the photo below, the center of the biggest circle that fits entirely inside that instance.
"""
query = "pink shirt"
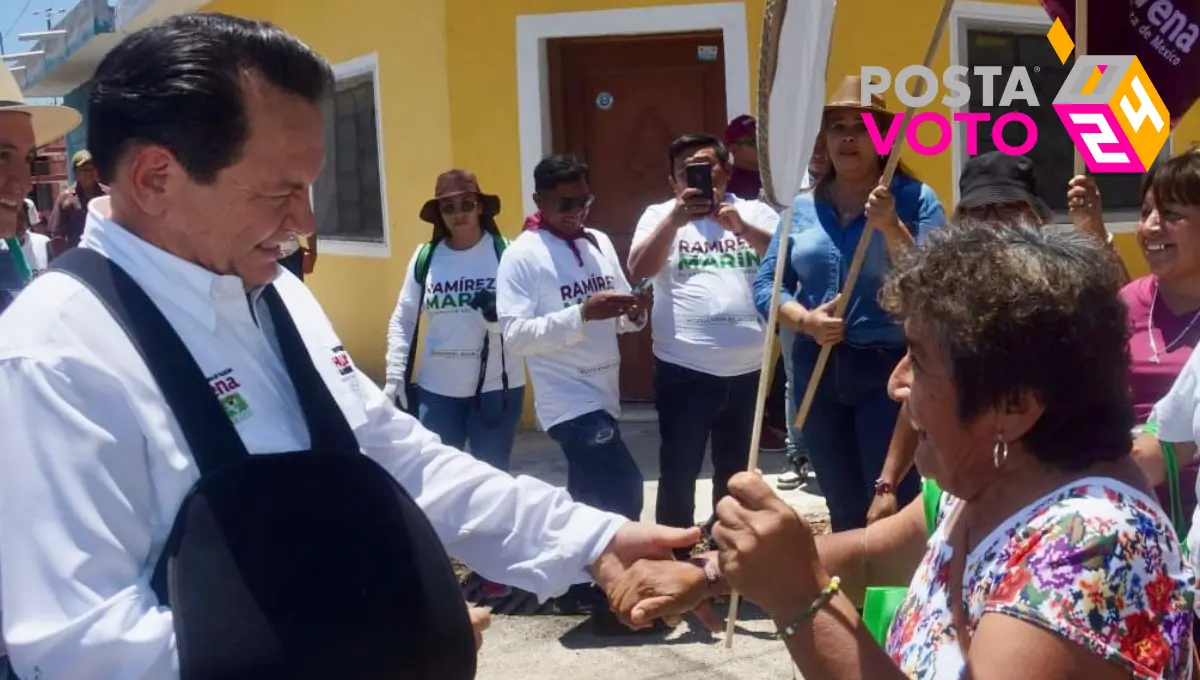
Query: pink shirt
(1151, 381)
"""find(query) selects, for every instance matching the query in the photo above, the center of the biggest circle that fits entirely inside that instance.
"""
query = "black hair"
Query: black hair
(689, 144)
(179, 85)
(558, 169)
(1017, 308)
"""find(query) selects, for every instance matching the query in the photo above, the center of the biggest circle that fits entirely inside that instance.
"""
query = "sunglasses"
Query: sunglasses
(566, 204)
(462, 206)
(747, 141)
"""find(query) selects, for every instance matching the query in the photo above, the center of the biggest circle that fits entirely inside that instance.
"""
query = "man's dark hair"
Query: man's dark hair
(556, 170)
(179, 85)
(689, 144)
(1021, 308)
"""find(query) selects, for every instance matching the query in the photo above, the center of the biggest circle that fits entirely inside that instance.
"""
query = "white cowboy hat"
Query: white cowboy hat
(49, 122)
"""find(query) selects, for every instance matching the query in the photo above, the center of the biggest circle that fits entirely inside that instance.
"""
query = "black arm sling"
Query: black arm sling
(310, 564)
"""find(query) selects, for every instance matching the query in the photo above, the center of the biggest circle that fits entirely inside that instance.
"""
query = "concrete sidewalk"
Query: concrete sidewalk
(564, 647)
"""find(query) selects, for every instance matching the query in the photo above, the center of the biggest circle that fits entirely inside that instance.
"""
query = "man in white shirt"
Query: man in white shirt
(562, 299)
(210, 166)
(702, 249)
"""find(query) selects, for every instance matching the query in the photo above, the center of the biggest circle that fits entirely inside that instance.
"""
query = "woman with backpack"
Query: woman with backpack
(468, 391)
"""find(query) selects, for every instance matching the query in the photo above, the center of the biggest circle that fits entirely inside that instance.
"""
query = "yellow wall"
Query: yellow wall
(359, 293)
(447, 71)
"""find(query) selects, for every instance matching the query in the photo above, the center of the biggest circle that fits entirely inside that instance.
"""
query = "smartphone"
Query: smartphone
(699, 176)
(642, 286)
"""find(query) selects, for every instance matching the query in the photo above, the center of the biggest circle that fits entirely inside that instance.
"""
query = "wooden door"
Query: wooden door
(617, 103)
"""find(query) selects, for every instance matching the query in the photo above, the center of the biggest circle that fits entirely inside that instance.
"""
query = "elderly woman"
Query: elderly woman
(851, 419)
(1049, 548)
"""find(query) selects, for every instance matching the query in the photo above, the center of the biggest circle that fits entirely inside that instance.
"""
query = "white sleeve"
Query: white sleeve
(1178, 413)
(517, 294)
(76, 592)
(646, 225)
(521, 532)
(765, 217)
(403, 323)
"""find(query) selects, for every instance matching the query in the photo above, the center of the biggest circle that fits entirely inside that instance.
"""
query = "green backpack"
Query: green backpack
(881, 603)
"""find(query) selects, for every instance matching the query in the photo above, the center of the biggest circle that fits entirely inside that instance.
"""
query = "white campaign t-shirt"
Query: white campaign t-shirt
(1178, 418)
(704, 316)
(453, 330)
(36, 250)
(575, 365)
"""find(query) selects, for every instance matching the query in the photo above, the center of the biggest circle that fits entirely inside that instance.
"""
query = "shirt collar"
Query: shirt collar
(166, 277)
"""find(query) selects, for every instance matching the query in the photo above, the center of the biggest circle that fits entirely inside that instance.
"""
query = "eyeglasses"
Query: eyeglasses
(462, 206)
(566, 204)
(996, 211)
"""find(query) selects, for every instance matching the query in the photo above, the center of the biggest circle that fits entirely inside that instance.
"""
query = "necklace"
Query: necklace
(1154, 358)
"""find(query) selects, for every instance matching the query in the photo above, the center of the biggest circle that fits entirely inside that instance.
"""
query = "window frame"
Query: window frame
(1007, 17)
(330, 244)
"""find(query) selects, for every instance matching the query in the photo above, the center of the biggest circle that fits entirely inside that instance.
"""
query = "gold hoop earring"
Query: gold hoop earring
(1000, 452)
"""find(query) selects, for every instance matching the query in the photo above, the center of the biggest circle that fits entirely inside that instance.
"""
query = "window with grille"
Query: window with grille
(348, 195)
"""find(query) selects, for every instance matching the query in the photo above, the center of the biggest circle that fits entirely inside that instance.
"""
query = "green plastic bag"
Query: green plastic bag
(881, 603)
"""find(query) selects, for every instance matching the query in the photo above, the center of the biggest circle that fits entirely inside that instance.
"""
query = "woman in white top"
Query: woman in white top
(469, 390)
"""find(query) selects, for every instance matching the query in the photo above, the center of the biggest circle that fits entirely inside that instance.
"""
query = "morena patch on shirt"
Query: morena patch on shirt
(341, 360)
(228, 391)
(578, 291)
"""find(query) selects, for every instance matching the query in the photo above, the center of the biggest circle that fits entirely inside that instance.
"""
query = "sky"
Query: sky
(22, 16)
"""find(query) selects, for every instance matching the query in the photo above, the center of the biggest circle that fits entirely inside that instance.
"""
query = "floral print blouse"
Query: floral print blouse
(1095, 561)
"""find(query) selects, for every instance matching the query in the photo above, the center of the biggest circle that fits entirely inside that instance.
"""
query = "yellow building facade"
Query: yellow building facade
(467, 83)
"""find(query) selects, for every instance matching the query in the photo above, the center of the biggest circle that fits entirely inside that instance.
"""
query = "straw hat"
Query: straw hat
(49, 122)
(457, 183)
(848, 97)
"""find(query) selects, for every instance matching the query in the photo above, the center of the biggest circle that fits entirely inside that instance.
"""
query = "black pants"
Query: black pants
(692, 408)
(775, 410)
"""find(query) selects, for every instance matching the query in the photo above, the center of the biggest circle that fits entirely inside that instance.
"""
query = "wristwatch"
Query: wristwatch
(883, 488)
(710, 574)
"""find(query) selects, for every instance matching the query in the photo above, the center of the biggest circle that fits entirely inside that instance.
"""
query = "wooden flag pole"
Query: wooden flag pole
(1081, 41)
(864, 241)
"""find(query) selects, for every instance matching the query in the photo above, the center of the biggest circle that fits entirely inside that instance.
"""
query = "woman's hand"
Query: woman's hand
(767, 551)
(1085, 207)
(662, 589)
(881, 210)
(820, 324)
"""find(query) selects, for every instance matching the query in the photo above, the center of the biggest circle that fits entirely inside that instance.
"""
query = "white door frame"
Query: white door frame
(533, 83)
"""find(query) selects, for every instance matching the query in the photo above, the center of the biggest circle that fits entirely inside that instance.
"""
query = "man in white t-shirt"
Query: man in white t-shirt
(702, 249)
(562, 299)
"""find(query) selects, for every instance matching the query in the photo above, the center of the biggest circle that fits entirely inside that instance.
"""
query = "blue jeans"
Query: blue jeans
(692, 408)
(795, 440)
(850, 426)
(600, 470)
(490, 429)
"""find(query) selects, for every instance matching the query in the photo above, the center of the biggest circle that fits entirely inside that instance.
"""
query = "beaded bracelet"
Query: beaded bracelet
(823, 599)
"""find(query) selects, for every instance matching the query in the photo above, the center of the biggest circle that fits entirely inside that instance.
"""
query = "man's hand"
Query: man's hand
(481, 620)
(689, 203)
(639, 541)
(607, 304)
(730, 220)
(662, 589)
(820, 324)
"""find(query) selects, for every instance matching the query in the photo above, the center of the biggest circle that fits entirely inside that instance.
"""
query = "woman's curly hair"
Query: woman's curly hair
(1016, 307)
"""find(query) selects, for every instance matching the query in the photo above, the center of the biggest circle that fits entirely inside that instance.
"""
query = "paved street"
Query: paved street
(558, 648)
